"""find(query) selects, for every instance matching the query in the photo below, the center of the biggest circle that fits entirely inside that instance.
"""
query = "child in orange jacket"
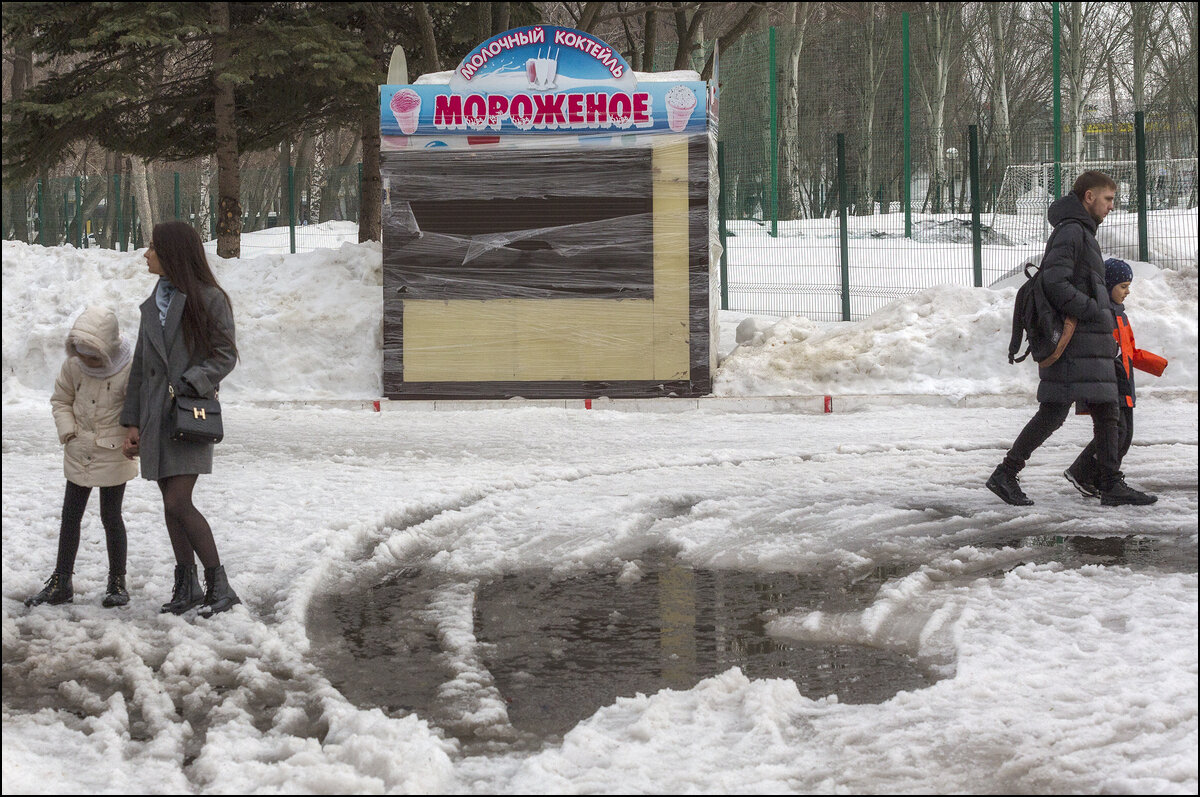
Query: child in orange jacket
(1084, 472)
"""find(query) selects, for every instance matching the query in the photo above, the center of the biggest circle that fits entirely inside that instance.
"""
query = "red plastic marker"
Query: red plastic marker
(376, 403)
(829, 403)
(587, 404)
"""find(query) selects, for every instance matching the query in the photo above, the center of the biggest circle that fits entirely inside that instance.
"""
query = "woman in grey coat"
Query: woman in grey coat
(185, 343)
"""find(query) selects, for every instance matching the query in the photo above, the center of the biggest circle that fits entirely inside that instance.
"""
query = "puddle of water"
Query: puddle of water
(1172, 555)
(558, 648)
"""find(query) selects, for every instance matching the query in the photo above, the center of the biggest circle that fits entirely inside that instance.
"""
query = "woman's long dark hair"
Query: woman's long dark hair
(185, 264)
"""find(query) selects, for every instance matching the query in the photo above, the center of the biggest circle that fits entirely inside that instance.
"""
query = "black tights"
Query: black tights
(188, 529)
(74, 502)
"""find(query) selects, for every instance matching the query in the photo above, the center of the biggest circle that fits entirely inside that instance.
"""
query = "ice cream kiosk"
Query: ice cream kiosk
(548, 226)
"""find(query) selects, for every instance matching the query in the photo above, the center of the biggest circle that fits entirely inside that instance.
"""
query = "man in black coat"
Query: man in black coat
(1073, 279)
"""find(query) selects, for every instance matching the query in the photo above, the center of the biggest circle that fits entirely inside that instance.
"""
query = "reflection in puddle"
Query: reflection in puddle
(1131, 550)
(559, 648)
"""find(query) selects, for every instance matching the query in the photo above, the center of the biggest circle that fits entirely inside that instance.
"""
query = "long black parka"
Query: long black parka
(1073, 278)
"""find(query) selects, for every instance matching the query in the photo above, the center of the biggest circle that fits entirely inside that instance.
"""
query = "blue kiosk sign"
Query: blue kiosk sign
(538, 79)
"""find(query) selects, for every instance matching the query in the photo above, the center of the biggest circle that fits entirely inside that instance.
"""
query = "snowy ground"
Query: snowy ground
(1052, 675)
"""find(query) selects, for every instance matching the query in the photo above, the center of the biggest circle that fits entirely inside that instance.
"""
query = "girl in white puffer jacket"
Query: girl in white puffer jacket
(88, 396)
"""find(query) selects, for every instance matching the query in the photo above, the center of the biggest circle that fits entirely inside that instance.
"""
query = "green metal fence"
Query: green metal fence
(108, 210)
(835, 203)
(923, 206)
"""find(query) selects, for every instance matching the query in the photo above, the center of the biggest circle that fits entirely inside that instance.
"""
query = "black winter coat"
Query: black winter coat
(1073, 278)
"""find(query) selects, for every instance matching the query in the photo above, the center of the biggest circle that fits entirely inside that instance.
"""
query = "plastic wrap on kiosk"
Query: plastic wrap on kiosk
(557, 266)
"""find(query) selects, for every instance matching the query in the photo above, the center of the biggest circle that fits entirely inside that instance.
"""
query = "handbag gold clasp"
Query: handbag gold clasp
(198, 412)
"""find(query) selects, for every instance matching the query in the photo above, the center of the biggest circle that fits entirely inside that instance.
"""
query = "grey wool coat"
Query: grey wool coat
(1074, 283)
(160, 359)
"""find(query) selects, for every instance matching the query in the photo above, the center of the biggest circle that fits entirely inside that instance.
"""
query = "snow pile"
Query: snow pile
(309, 325)
(948, 340)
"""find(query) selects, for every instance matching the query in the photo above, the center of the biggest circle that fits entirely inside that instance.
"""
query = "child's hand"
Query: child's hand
(132, 438)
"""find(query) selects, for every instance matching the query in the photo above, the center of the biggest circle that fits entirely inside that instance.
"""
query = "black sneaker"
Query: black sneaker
(1121, 494)
(1081, 483)
(1005, 484)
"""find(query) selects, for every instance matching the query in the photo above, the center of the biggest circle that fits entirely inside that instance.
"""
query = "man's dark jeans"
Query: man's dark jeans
(1105, 438)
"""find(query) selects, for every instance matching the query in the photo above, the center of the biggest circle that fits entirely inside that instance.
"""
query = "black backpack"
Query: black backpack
(1033, 315)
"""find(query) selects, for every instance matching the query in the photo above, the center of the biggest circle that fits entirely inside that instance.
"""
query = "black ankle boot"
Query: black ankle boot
(1004, 484)
(115, 594)
(57, 590)
(219, 596)
(187, 593)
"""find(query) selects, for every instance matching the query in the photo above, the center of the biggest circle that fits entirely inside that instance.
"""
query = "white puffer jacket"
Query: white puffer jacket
(87, 409)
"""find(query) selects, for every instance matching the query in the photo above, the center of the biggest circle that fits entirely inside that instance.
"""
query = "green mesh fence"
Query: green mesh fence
(785, 100)
(108, 211)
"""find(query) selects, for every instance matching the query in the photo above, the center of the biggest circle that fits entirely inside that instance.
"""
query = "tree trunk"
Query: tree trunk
(433, 63)
(18, 203)
(725, 41)
(650, 41)
(370, 208)
(141, 195)
(686, 30)
(1140, 21)
(108, 236)
(939, 37)
(790, 204)
(1000, 107)
(229, 179)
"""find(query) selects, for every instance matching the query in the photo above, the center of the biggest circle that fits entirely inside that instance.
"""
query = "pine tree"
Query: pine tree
(176, 80)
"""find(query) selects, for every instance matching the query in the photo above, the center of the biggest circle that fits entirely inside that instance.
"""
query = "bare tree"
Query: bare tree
(790, 200)
(942, 22)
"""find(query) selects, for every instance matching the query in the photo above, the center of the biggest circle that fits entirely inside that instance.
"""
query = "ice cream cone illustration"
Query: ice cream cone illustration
(406, 107)
(681, 101)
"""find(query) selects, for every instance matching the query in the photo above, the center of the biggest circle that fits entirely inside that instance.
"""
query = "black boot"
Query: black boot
(1118, 493)
(187, 593)
(1003, 483)
(219, 596)
(57, 590)
(115, 594)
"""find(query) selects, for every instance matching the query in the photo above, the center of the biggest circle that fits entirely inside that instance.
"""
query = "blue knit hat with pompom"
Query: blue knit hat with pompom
(1116, 272)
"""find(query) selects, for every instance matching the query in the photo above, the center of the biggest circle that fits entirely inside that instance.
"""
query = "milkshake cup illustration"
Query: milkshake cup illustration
(681, 101)
(540, 72)
(406, 107)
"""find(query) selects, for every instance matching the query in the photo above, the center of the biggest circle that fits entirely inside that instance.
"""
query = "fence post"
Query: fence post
(907, 131)
(79, 213)
(1139, 143)
(1056, 29)
(722, 230)
(774, 139)
(177, 214)
(41, 215)
(291, 189)
(66, 219)
(120, 213)
(842, 224)
(976, 229)
(359, 219)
